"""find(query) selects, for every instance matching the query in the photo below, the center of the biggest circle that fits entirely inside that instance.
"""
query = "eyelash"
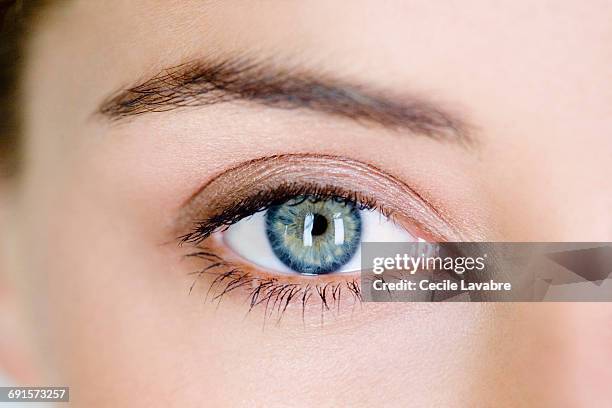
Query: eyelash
(275, 294)
(272, 293)
(276, 196)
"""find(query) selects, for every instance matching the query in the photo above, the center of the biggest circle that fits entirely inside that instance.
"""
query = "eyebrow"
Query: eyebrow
(203, 83)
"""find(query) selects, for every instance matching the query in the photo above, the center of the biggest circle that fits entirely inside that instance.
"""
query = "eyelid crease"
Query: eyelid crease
(228, 190)
(280, 194)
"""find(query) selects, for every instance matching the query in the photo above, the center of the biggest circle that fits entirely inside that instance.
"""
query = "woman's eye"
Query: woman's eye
(310, 235)
(288, 229)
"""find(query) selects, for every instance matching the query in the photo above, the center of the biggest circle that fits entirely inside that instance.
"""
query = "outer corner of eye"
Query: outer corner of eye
(311, 237)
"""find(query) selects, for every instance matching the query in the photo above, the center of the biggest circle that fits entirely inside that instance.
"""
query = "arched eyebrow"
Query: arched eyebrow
(203, 83)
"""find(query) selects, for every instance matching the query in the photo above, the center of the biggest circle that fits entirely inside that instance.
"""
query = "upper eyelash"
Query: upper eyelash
(263, 200)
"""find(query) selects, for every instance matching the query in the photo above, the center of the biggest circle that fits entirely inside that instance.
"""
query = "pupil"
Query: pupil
(313, 236)
(319, 225)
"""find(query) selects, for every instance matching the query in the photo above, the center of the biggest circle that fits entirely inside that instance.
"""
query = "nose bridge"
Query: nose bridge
(561, 192)
(585, 350)
(580, 185)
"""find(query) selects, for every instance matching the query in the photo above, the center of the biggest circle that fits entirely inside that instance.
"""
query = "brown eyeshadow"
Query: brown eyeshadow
(239, 183)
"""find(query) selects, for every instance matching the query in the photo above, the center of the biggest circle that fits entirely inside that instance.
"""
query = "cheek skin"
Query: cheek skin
(118, 321)
(117, 299)
(130, 317)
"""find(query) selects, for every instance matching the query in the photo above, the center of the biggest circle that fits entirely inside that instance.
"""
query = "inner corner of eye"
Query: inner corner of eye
(310, 237)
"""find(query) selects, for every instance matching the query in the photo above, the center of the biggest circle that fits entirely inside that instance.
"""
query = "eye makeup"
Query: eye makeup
(310, 186)
(252, 186)
(271, 294)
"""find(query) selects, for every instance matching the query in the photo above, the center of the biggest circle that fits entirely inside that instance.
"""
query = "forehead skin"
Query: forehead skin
(533, 78)
(545, 67)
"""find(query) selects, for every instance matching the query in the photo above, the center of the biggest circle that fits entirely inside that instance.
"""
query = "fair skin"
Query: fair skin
(94, 266)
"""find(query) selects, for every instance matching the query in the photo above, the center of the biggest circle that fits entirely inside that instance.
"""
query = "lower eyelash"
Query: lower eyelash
(272, 294)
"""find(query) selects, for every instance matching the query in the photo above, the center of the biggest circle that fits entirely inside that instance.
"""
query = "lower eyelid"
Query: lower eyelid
(217, 277)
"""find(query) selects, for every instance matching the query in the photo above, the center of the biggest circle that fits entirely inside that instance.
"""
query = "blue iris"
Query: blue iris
(312, 235)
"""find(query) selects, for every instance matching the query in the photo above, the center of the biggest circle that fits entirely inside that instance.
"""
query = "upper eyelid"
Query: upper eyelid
(279, 195)
(241, 181)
